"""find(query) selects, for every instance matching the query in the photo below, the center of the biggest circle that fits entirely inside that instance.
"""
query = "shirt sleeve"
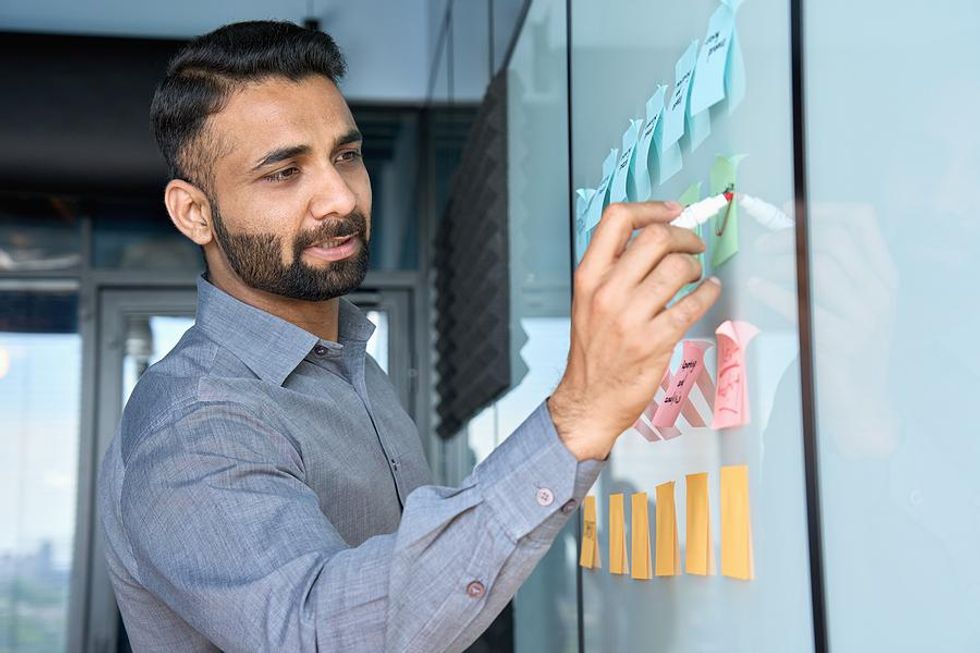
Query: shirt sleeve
(225, 531)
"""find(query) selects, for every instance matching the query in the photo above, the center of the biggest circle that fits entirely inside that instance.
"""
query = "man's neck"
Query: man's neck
(319, 318)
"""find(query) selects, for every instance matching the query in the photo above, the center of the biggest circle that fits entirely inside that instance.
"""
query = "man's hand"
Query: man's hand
(623, 335)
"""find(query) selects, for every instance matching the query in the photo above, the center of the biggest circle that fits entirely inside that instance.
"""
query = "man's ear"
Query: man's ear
(189, 210)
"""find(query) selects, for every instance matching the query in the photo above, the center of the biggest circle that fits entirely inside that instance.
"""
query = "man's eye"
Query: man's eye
(282, 174)
(350, 156)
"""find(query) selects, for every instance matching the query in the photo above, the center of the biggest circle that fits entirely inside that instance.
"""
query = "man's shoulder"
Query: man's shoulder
(197, 375)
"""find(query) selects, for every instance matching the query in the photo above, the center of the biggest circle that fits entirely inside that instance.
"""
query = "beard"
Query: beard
(257, 260)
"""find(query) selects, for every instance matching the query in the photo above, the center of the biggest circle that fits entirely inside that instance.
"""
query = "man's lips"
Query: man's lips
(335, 249)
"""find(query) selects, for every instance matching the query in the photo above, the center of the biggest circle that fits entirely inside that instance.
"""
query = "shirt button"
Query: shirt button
(320, 350)
(569, 506)
(475, 590)
(545, 496)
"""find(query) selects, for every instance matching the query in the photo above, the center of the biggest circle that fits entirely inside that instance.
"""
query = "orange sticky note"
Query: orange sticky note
(640, 535)
(668, 550)
(736, 523)
(618, 564)
(589, 557)
(700, 555)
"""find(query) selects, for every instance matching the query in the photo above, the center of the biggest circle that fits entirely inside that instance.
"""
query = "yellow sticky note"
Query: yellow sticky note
(700, 555)
(640, 535)
(590, 541)
(668, 550)
(617, 536)
(736, 523)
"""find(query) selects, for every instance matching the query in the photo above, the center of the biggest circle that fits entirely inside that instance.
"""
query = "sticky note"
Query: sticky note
(676, 114)
(623, 178)
(700, 554)
(582, 198)
(724, 226)
(669, 161)
(644, 159)
(692, 362)
(731, 405)
(589, 557)
(736, 523)
(601, 197)
(720, 66)
(618, 564)
(668, 550)
(640, 536)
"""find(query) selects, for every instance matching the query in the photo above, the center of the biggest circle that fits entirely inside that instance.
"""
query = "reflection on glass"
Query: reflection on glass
(38, 233)
(40, 374)
(895, 242)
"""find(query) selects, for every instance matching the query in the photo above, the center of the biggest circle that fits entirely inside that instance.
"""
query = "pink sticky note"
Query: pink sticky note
(731, 405)
(692, 362)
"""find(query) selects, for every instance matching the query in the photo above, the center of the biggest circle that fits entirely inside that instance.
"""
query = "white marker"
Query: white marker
(700, 212)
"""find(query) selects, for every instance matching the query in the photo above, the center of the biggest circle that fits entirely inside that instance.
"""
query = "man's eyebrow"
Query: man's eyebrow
(281, 154)
(352, 136)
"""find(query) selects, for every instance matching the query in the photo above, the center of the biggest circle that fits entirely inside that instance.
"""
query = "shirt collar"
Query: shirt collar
(270, 346)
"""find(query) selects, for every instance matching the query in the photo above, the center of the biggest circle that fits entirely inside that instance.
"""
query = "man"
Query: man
(265, 491)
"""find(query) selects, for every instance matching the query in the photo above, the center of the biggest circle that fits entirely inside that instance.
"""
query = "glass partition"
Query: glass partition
(623, 53)
(892, 159)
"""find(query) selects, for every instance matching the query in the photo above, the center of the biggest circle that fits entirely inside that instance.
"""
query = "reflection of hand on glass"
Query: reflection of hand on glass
(854, 284)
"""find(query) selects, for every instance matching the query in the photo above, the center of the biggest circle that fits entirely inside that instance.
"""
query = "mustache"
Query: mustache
(354, 224)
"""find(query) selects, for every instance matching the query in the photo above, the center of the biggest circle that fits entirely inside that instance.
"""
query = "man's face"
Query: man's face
(292, 199)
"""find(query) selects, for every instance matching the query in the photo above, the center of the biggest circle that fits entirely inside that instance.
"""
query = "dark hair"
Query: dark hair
(203, 75)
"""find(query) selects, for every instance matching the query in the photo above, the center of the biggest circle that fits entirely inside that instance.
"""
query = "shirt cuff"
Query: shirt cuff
(533, 477)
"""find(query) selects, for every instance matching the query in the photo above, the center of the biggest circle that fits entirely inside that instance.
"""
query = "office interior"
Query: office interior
(486, 125)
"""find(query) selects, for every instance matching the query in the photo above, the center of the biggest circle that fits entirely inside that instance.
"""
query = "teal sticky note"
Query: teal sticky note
(677, 105)
(601, 197)
(708, 87)
(645, 152)
(735, 73)
(583, 196)
(724, 226)
(669, 161)
(619, 189)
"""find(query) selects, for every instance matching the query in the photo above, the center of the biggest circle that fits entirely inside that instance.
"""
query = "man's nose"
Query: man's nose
(333, 197)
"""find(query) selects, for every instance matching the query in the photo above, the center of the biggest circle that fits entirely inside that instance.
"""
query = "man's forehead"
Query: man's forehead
(276, 111)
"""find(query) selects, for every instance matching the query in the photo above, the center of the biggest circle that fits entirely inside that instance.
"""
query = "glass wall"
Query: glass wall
(40, 379)
(893, 157)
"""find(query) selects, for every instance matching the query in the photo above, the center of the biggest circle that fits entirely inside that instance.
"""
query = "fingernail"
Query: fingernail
(714, 280)
(672, 205)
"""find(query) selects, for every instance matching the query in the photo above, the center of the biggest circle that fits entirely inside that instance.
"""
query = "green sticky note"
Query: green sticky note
(690, 195)
(724, 226)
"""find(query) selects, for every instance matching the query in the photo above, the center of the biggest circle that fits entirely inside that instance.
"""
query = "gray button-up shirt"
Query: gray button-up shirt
(266, 492)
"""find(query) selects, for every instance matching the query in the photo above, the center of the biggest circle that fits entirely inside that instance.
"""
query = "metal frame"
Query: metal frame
(818, 595)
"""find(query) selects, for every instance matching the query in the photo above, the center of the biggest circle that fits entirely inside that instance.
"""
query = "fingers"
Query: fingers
(651, 246)
(671, 324)
(618, 223)
(672, 273)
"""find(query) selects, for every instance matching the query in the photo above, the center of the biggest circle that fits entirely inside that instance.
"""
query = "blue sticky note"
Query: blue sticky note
(643, 164)
(582, 198)
(708, 87)
(735, 73)
(619, 189)
(677, 106)
(698, 128)
(601, 197)
(669, 161)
